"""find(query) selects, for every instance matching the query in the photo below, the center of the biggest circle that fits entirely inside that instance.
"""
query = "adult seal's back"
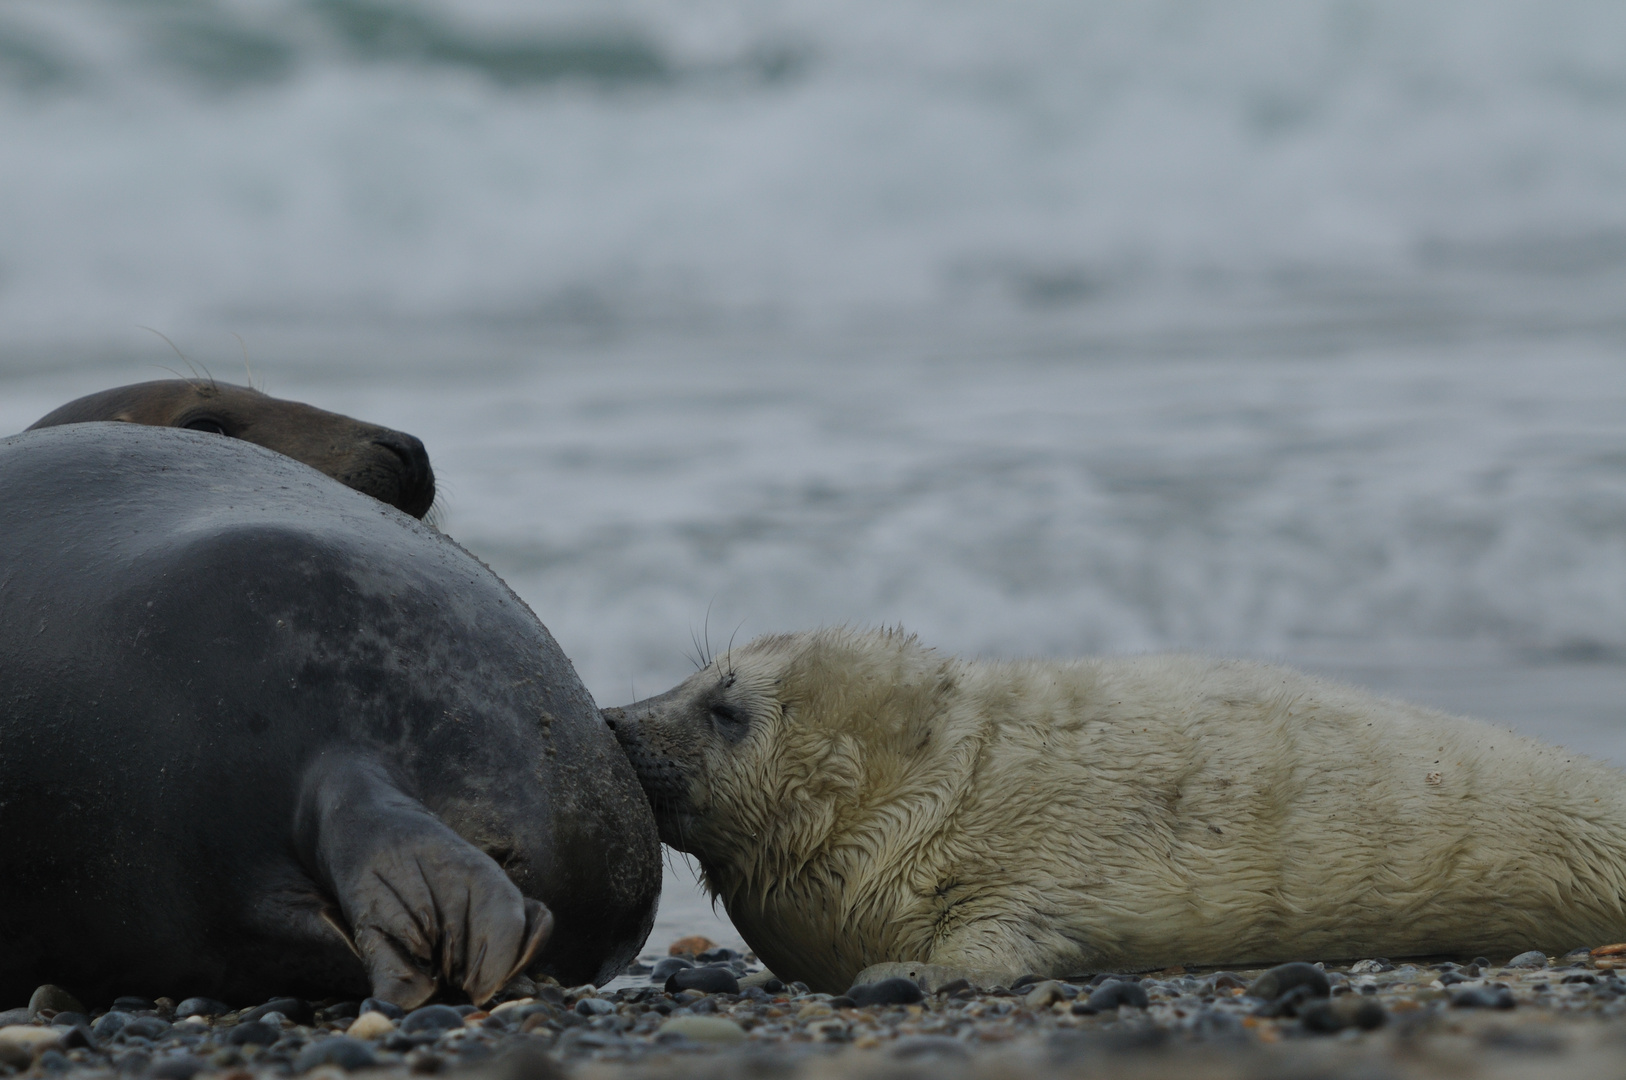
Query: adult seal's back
(262, 734)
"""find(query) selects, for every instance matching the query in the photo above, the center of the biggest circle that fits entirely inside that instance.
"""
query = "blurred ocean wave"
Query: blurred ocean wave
(639, 167)
(1283, 327)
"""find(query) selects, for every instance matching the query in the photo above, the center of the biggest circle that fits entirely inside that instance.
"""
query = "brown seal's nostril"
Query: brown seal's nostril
(417, 492)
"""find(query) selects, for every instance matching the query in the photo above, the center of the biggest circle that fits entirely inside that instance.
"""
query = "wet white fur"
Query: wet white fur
(893, 804)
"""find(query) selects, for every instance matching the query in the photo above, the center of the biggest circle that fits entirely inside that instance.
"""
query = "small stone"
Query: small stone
(1284, 977)
(813, 1010)
(692, 945)
(886, 992)
(370, 1025)
(1321, 1018)
(1483, 997)
(431, 1018)
(1532, 959)
(29, 1037)
(130, 1003)
(110, 1024)
(719, 955)
(255, 1032)
(379, 1005)
(1044, 994)
(294, 1009)
(52, 1061)
(665, 968)
(200, 1006)
(14, 1016)
(707, 1029)
(183, 1067)
(764, 979)
(49, 998)
(594, 1006)
(69, 1019)
(707, 980)
(145, 1027)
(340, 1050)
(1609, 950)
(1110, 995)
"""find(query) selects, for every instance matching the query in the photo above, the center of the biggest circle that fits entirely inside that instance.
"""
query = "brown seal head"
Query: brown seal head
(391, 466)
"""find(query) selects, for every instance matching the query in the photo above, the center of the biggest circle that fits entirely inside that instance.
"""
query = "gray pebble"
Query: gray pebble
(183, 1067)
(668, 966)
(340, 1050)
(110, 1024)
(257, 1032)
(707, 980)
(434, 1018)
(379, 1005)
(298, 1011)
(1483, 997)
(1284, 977)
(898, 991)
(592, 1006)
(49, 998)
(1532, 959)
(145, 1027)
(52, 1061)
(1110, 995)
(200, 1006)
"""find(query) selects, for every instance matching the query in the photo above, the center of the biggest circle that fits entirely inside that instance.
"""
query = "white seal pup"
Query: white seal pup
(858, 799)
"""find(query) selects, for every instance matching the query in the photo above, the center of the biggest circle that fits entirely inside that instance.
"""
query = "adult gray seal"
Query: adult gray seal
(856, 799)
(261, 734)
(391, 466)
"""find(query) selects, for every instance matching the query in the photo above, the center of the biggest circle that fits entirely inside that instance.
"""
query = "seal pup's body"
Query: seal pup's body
(389, 465)
(261, 735)
(856, 799)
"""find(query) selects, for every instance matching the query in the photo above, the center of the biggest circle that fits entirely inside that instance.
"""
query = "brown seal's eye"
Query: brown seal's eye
(205, 423)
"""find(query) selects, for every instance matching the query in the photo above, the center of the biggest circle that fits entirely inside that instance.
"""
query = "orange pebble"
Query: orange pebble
(1609, 950)
(692, 945)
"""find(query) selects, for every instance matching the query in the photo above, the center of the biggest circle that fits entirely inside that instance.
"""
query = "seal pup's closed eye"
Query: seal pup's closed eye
(857, 799)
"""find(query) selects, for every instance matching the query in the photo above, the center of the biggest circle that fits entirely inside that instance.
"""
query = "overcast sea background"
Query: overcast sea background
(1292, 330)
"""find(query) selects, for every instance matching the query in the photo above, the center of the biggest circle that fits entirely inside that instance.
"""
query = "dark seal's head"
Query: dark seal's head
(391, 466)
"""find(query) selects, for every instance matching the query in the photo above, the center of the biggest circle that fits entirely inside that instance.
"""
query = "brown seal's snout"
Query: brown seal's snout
(391, 466)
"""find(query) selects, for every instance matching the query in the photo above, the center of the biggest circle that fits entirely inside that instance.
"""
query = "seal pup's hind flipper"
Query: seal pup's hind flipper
(424, 906)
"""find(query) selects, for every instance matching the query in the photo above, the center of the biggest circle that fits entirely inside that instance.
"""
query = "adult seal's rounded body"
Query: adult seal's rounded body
(261, 734)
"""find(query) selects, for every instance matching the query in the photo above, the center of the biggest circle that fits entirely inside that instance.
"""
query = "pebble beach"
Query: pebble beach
(708, 1012)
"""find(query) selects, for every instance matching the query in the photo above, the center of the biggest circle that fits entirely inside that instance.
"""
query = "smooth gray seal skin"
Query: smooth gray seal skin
(247, 714)
(391, 466)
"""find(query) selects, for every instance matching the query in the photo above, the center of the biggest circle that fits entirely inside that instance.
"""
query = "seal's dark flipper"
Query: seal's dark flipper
(423, 905)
